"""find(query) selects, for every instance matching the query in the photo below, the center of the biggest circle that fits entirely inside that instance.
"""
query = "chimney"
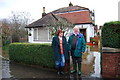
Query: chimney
(70, 4)
(43, 14)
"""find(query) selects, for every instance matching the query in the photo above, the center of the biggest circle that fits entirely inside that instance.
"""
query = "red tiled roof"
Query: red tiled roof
(71, 14)
(77, 17)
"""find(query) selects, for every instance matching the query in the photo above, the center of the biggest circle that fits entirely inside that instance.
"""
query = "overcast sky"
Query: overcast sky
(105, 10)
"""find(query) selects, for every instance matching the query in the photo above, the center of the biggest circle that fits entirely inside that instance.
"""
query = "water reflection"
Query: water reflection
(88, 62)
(91, 65)
(97, 67)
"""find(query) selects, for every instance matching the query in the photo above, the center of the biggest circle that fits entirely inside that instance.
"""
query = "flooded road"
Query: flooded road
(17, 70)
(5, 68)
(90, 68)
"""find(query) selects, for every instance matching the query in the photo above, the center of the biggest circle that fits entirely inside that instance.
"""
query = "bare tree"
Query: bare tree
(5, 32)
(0, 34)
(18, 21)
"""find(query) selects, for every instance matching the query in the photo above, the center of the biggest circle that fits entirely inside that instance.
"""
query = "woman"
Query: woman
(60, 51)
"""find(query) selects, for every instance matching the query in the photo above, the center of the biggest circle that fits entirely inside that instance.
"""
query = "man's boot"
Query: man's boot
(75, 69)
(79, 68)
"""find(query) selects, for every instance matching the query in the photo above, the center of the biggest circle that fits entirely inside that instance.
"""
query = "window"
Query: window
(49, 34)
(35, 35)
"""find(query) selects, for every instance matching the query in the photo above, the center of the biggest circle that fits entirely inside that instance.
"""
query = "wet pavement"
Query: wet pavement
(90, 69)
(17, 70)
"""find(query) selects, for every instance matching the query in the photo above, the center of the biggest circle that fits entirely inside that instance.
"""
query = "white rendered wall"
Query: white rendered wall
(30, 38)
(89, 30)
(89, 33)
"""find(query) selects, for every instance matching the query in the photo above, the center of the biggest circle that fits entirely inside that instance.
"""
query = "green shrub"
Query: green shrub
(31, 53)
(111, 34)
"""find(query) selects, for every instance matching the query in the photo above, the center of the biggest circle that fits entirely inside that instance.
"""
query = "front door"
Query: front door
(83, 31)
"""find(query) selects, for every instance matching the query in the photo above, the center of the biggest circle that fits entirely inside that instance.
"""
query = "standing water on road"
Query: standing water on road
(90, 68)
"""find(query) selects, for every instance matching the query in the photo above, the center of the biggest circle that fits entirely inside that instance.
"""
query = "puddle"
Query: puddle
(97, 65)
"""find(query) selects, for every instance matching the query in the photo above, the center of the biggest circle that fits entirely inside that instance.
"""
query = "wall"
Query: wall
(110, 63)
(30, 38)
(43, 33)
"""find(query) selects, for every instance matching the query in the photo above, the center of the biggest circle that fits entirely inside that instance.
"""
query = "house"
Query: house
(76, 15)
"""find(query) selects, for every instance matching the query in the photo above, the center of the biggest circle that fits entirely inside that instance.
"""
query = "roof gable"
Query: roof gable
(49, 19)
(46, 20)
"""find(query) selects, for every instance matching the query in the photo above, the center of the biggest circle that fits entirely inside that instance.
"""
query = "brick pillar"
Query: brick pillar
(118, 69)
(110, 62)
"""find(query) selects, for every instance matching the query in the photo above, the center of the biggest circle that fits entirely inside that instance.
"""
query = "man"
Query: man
(77, 46)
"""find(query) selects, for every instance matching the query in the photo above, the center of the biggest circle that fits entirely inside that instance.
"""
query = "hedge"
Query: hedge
(32, 53)
(111, 34)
